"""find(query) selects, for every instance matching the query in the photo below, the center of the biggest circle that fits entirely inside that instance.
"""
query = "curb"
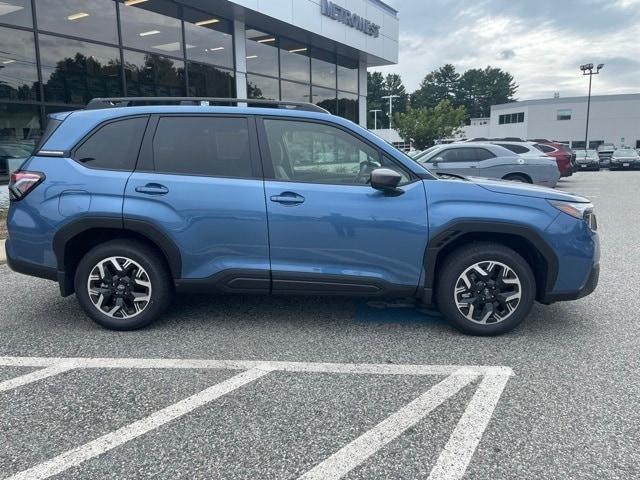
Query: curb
(3, 255)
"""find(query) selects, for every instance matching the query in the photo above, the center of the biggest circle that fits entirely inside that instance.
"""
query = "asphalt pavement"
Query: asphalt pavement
(290, 387)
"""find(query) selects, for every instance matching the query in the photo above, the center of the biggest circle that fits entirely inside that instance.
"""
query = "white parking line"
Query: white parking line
(356, 452)
(450, 465)
(457, 453)
(76, 456)
(34, 376)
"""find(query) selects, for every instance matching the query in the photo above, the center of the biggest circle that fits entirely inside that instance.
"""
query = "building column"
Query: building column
(240, 55)
(362, 92)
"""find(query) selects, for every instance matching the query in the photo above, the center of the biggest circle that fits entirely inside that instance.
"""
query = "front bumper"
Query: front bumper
(588, 166)
(588, 288)
(622, 165)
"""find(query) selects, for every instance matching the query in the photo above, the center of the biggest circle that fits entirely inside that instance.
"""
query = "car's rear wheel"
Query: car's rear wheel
(485, 289)
(123, 285)
(516, 177)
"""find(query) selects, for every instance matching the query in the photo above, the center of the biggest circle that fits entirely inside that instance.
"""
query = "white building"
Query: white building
(613, 118)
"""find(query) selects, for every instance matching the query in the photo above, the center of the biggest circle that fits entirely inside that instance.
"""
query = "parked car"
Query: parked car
(125, 205)
(605, 152)
(588, 159)
(564, 156)
(490, 161)
(624, 159)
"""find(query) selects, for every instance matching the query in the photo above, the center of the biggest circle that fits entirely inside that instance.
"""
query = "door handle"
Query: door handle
(288, 198)
(152, 189)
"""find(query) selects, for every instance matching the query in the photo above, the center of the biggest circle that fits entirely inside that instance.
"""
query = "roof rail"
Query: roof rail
(98, 103)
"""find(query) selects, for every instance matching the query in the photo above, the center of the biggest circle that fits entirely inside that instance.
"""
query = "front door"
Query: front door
(201, 186)
(329, 231)
(458, 160)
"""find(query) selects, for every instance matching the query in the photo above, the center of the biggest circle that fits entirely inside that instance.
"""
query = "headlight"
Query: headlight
(581, 211)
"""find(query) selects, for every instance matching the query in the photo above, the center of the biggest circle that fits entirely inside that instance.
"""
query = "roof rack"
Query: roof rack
(98, 103)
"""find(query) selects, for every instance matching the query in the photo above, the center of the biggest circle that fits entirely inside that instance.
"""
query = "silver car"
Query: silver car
(489, 161)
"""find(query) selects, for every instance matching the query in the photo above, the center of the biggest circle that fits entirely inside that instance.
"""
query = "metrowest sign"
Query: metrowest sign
(352, 20)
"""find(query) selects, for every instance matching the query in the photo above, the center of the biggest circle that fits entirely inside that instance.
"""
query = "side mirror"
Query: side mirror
(436, 160)
(385, 179)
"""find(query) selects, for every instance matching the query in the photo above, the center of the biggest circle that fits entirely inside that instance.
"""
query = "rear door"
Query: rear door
(199, 182)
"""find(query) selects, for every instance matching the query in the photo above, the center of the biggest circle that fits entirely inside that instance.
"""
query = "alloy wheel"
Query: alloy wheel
(119, 287)
(488, 292)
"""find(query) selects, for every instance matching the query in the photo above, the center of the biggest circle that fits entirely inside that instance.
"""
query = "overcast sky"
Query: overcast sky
(540, 42)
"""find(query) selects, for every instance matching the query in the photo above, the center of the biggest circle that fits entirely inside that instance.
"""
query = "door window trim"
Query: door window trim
(146, 160)
(267, 163)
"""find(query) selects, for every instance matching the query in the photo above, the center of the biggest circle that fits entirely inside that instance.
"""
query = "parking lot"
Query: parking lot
(318, 388)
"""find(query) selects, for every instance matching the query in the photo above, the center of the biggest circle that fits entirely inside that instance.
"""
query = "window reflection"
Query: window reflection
(347, 75)
(208, 38)
(19, 132)
(91, 19)
(294, 61)
(210, 81)
(262, 87)
(76, 72)
(323, 68)
(294, 92)
(324, 98)
(18, 70)
(262, 54)
(348, 106)
(16, 12)
(149, 75)
(152, 26)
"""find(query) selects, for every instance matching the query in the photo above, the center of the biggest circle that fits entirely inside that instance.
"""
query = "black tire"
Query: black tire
(517, 177)
(155, 271)
(457, 262)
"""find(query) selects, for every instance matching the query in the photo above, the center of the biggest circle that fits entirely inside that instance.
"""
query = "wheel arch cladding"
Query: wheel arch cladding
(524, 240)
(72, 241)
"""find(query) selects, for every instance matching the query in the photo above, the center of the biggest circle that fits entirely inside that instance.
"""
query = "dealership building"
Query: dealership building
(612, 119)
(58, 54)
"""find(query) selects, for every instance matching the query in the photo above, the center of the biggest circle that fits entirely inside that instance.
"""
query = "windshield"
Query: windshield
(625, 153)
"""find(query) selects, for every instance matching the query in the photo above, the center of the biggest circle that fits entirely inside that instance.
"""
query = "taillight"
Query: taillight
(22, 183)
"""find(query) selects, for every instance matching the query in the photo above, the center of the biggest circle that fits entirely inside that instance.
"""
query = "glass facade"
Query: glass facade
(284, 69)
(56, 55)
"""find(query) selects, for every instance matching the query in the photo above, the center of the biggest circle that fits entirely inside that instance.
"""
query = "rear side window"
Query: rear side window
(483, 154)
(114, 146)
(211, 146)
(514, 148)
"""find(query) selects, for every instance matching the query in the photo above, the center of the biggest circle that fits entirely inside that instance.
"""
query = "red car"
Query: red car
(565, 158)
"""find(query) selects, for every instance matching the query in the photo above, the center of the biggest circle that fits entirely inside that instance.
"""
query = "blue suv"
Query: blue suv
(124, 204)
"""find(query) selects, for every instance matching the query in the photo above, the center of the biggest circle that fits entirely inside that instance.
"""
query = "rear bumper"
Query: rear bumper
(40, 271)
(588, 288)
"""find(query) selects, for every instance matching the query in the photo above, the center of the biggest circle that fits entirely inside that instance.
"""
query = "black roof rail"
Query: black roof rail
(98, 103)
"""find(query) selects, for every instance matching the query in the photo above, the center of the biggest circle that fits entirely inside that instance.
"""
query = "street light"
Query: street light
(390, 98)
(375, 118)
(587, 69)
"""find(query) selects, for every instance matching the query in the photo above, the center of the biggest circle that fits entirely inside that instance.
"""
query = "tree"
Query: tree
(423, 126)
(479, 89)
(440, 84)
(378, 87)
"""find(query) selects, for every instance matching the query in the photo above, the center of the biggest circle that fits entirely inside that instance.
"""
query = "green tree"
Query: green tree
(393, 86)
(478, 89)
(423, 126)
(438, 85)
(375, 92)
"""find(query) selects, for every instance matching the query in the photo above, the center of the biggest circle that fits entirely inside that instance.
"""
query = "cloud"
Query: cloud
(540, 43)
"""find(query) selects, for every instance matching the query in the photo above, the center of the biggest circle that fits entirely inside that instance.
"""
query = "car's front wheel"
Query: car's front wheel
(485, 289)
(123, 285)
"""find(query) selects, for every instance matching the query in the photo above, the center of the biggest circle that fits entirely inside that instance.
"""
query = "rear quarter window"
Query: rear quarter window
(514, 148)
(114, 146)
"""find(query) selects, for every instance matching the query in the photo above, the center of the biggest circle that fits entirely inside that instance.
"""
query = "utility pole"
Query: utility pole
(375, 118)
(587, 69)
(390, 98)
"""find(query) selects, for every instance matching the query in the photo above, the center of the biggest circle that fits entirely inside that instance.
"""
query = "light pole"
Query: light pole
(375, 118)
(587, 69)
(390, 98)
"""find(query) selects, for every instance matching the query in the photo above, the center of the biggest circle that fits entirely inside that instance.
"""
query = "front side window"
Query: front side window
(208, 146)
(318, 153)
(114, 146)
(459, 155)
